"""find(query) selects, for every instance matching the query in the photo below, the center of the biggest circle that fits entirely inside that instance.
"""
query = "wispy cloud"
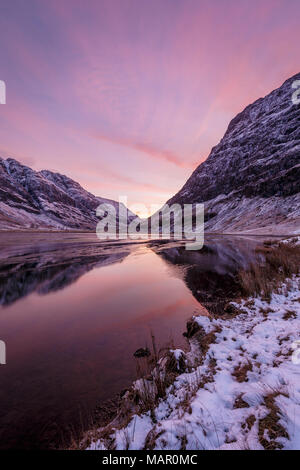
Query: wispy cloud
(131, 95)
(149, 149)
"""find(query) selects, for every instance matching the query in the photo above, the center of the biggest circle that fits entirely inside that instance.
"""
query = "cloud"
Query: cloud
(149, 149)
(132, 95)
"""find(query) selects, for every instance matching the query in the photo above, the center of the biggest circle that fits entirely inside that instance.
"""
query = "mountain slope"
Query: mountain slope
(44, 200)
(250, 181)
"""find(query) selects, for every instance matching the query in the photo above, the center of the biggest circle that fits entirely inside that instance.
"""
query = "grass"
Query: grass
(240, 372)
(269, 428)
(240, 403)
(278, 263)
(289, 314)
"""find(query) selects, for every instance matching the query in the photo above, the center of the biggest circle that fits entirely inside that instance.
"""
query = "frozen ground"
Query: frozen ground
(240, 388)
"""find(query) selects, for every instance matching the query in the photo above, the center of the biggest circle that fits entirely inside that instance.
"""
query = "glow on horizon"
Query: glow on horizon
(128, 97)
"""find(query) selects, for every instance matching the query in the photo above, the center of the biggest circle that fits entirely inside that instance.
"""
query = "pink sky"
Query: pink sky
(128, 96)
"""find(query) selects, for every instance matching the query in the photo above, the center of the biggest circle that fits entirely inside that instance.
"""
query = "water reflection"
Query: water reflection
(45, 266)
(210, 273)
(49, 271)
(71, 349)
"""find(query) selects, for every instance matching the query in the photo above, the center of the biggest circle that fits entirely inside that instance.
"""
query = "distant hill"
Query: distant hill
(42, 200)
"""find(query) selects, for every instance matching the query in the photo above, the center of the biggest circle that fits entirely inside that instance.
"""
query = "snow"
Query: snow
(205, 323)
(178, 355)
(44, 200)
(249, 182)
(223, 402)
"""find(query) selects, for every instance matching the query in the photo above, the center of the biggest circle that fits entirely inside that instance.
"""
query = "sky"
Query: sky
(128, 97)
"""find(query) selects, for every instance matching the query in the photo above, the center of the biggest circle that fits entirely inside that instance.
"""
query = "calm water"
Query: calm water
(74, 310)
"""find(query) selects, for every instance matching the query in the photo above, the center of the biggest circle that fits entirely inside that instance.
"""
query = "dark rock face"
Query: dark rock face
(250, 181)
(44, 200)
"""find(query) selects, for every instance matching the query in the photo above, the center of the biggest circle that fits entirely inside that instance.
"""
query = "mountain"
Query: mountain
(250, 182)
(45, 200)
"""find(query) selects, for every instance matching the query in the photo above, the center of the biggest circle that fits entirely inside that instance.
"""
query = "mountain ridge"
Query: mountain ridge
(45, 200)
(250, 181)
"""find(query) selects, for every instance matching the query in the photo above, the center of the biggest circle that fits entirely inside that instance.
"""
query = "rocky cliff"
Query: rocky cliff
(251, 180)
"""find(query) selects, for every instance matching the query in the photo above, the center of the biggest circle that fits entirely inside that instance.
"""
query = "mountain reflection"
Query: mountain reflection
(44, 270)
(210, 273)
(46, 265)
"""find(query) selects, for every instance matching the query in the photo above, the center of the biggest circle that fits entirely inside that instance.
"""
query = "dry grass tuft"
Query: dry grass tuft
(279, 262)
(289, 314)
(240, 403)
(269, 428)
(240, 372)
(249, 423)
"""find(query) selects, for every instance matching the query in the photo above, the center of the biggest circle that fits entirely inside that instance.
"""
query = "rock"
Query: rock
(142, 352)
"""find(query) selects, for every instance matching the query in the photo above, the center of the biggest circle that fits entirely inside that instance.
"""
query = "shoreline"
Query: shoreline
(236, 388)
(200, 390)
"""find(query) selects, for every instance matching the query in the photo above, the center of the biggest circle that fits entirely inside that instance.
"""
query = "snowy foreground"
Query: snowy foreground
(243, 394)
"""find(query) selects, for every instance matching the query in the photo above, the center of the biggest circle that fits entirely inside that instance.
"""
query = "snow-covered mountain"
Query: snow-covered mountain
(45, 200)
(251, 180)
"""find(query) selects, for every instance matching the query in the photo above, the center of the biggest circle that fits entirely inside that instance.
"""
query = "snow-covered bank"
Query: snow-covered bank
(244, 392)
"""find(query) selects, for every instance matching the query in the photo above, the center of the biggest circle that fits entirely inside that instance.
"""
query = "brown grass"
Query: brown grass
(240, 403)
(240, 372)
(151, 438)
(266, 311)
(249, 423)
(271, 424)
(289, 314)
(279, 262)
